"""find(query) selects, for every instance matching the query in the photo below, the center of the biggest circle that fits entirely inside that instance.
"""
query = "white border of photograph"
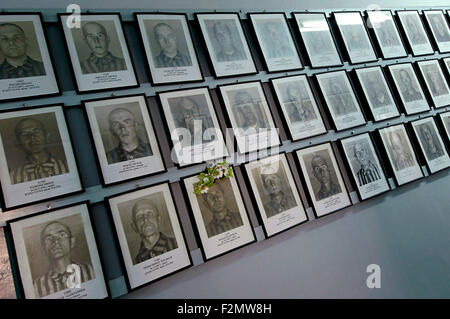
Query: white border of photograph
(199, 152)
(421, 49)
(25, 87)
(332, 203)
(300, 130)
(443, 46)
(288, 218)
(163, 75)
(227, 68)
(407, 174)
(306, 24)
(282, 63)
(377, 18)
(440, 162)
(361, 55)
(226, 241)
(101, 80)
(92, 289)
(349, 120)
(440, 100)
(153, 268)
(383, 112)
(43, 188)
(412, 107)
(264, 137)
(120, 171)
(371, 188)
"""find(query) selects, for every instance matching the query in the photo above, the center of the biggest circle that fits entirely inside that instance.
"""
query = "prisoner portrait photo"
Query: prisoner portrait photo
(339, 95)
(363, 163)
(225, 39)
(297, 101)
(429, 140)
(398, 149)
(408, 85)
(435, 79)
(274, 38)
(376, 89)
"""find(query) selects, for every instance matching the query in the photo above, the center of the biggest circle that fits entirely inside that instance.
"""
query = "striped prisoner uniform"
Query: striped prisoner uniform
(52, 282)
(163, 61)
(108, 63)
(368, 174)
(31, 171)
(230, 221)
(29, 68)
(162, 246)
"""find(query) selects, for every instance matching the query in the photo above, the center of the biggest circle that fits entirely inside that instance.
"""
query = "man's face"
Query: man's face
(12, 42)
(428, 137)
(187, 108)
(272, 183)
(321, 171)
(245, 105)
(396, 143)
(361, 154)
(404, 77)
(294, 92)
(215, 199)
(31, 136)
(166, 39)
(57, 241)
(335, 88)
(272, 34)
(223, 36)
(146, 220)
(439, 27)
(96, 39)
(123, 125)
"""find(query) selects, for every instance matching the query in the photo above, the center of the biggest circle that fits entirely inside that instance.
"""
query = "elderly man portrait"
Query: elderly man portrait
(401, 156)
(13, 47)
(123, 126)
(408, 89)
(280, 200)
(33, 140)
(430, 142)
(368, 171)
(299, 105)
(223, 219)
(58, 244)
(248, 113)
(227, 50)
(100, 59)
(147, 222)
(170, 55)
(276, 42)
(322, 173)
(378, 95)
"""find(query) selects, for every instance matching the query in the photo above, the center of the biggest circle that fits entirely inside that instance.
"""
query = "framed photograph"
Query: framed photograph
(193, 126)
(408, 87)
(220, 217)
(446, 62)
(149, 233)
(57, 255)
(99, 52)
(226, 44)
(7, 288)
(400, 154)
(317, 39)
(415, 32)
(439, 28)
(125, 143)
(275, 194)
(250, 117)
(445, 119)
(365, 166)
(436, 83)
(341, 100)
(386, 34)
(355, 37)
(431, 144)
(37, 156)
(299, 106)
(377, 93)
(26, 65)
(275, 41)
(168, 45)
(323, 179)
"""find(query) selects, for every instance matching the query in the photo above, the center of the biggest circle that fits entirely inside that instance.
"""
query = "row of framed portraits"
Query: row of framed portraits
(36, 145)
(56, 251)
(101, 60)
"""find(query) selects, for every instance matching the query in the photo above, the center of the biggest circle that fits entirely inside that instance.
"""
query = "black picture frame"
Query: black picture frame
(445, 133)
(81, 190)
(428, 93)
(148, 69)
(429, 30)
(52, 60)
(77, 89)
(91, 136)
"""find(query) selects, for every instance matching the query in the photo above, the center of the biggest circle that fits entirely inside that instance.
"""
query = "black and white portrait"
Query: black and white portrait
(169, 48)
(299, 106)
(439, 29)
(435, 81)
(36, 149)
(148, 230)
(275, 193)
(57, 255)
(99, 52)
(275, 41)
(124, 139)
(25, 64)
(226, 44)
(7, 288)
(415, 32)
(399, 150)
(319, 43)
(445, 121)
(339, 96)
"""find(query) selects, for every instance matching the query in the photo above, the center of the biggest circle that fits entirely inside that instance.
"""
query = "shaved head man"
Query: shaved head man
(13, 47)
(322, 172)
(170, 55)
